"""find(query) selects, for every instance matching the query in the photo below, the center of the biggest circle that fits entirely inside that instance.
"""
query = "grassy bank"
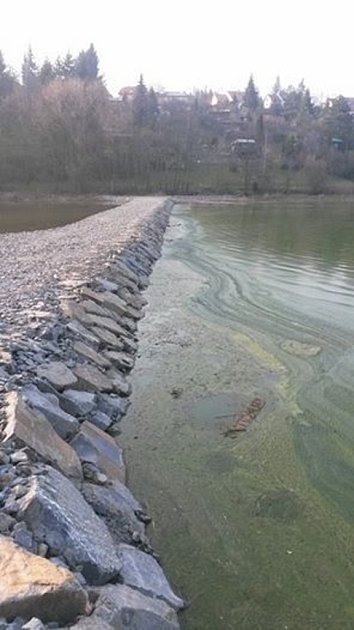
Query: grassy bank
(200, 179)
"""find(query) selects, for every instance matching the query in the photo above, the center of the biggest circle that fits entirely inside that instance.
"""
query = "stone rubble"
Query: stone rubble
(65, 511)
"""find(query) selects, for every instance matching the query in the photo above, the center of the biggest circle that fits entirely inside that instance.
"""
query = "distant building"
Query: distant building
(226, 99)
(127, 93)
(271, 101)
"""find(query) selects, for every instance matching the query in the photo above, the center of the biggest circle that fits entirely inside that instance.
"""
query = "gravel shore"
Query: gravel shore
(38, 268)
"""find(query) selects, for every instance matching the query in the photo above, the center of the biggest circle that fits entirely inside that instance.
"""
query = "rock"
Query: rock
(31, 428)
(88, 293)
(31, 585)
(58, 514)
(129, 345)
(19, 490)
(124, 283)
(129, 324)
(105, 322)
(91, 473)
(91, 379)
(33, 624)
(94, 446)
(137, 301)
(108, 338)
(91, 355)
(23, 537)
(112, 301)
(16, 624)
(92, 307)
(79, 403)
(81, 331)
(92, 623)
(142, 572)
(107, 285)
(121, 606)
(64, 424)
(121, 360)
(4, 458)
(42, 550)
(5, 359)
(101, 420)
(126, 272)
(18, 457)
(116, 504)
(3, 375)
(119, 383)
(58, 374)
(114, 406)
(6, 523)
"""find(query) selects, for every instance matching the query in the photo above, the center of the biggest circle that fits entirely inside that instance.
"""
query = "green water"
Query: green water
(257, 532)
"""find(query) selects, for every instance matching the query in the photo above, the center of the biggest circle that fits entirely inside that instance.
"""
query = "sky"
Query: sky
(192, 44)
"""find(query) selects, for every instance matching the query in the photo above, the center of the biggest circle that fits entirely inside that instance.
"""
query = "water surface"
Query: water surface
(251, 300)
(27, 214)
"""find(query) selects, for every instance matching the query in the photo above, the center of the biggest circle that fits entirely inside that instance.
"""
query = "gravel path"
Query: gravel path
(37, 268)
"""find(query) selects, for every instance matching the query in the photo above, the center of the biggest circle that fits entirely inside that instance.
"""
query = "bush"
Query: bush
(316, 175)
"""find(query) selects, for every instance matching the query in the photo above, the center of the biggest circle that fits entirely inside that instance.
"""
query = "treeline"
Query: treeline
(61, 130)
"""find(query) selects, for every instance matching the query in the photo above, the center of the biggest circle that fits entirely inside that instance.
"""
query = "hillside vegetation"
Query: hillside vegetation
(62, 131)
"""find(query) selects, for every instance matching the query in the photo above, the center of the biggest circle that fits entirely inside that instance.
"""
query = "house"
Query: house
(127, 93)
(228, 99)
(273, 101)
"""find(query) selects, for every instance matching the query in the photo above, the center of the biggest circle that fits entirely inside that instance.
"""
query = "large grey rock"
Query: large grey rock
(120, 360)
(137, 301)
(60, 517)
(116, 504)
(64, 424)
(23, 537)
(100, 420)
(107, 285)
(119, 383)
(141, 571)
(129, 345)
(90, 294)
(80, 403)
(108, 338)
(92, 623)
(91, 379)
(31, 585)
(114, 302)
(90, 354)
(97, 447)
(114, 406)
(124, 282)
(79, 330)
(58, 374)
(125, 271)
(31, 428)
(121, 606)
(104, 322)
(91, 306)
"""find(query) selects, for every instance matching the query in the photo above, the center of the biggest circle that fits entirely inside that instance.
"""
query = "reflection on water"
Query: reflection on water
(258, 531)
(299, 255)
(41, 214)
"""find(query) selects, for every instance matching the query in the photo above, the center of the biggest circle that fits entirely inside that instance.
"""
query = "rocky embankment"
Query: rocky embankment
(74, 551)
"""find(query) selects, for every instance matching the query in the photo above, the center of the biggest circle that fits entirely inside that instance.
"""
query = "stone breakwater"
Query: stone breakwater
(74, 551)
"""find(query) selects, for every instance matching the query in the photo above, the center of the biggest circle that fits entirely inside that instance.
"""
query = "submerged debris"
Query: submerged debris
(242, 422)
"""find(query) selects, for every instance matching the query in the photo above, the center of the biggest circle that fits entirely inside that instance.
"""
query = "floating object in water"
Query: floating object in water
(242, 422)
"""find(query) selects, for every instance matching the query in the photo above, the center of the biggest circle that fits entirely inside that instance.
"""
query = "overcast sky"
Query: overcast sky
(186, 44)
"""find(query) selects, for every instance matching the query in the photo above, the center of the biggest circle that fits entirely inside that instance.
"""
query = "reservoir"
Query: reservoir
(20, 213)
(253, 301)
